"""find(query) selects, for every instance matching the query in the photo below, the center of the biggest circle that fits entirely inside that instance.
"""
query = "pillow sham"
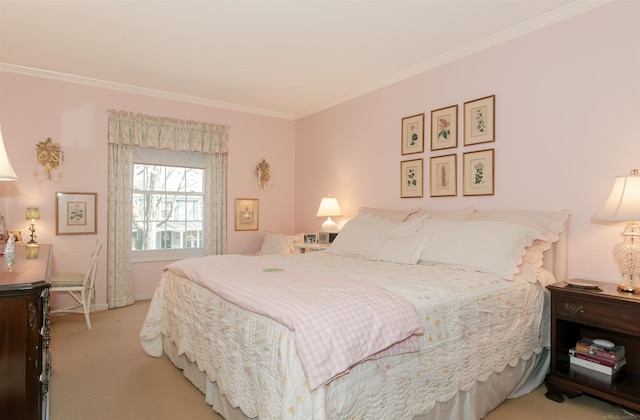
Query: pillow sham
(391, 215)
(277, 243)
(549, 223)
(486, 246)
(460, 214)
(363, 235)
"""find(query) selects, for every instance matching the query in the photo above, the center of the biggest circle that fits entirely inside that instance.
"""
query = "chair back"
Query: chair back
(90, 272)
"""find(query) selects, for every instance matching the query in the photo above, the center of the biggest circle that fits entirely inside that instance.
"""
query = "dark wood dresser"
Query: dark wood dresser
(24, 334)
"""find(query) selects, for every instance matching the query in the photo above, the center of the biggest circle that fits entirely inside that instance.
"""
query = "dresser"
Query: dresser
(24, 333)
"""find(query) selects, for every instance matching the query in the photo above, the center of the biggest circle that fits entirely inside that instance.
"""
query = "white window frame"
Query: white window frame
(168, 158)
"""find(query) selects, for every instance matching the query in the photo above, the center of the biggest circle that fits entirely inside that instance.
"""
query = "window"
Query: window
(167, 204)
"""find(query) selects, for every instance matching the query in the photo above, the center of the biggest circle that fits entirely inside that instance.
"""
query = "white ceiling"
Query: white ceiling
(285, 58)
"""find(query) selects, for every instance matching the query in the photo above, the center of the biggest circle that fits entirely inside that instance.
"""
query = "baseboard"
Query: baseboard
(105, 306)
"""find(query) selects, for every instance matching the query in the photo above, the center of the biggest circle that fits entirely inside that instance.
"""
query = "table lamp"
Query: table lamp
(623, 205)
(32, 213)
(329, 207)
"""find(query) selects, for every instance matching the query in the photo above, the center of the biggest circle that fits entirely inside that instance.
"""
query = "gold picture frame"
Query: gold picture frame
(411, 178)
(76, 213)
(17, 235)
(478, 172)
(412, 134)
(247, 214)
(443, 176)
(479, 120)
(444, 128)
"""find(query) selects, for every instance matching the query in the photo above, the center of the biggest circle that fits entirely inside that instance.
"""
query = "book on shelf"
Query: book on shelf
(578, 359)
(586, 345)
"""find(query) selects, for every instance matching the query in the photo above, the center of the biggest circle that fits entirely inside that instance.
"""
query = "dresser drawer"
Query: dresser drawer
(614, 314)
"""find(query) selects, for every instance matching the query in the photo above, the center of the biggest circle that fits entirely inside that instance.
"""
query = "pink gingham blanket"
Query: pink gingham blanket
(337, 323)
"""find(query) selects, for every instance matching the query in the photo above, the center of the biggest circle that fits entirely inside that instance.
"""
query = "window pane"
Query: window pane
(175, 179)
(167, 207)
(195, 181)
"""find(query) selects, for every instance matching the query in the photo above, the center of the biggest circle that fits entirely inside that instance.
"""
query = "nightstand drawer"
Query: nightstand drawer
(615, 315)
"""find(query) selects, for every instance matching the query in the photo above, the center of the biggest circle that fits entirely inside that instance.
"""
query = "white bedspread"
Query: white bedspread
(337, 322)
(474, 324)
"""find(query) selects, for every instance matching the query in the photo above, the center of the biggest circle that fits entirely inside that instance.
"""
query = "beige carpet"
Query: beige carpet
(104, 374)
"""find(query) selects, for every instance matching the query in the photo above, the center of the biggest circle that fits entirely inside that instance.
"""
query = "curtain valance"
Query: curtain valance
(127, 128)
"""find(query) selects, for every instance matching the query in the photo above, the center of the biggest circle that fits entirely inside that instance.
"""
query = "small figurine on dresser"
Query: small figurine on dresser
(9, 246)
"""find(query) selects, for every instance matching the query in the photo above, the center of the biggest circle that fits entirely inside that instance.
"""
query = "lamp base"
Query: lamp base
(329, 225)
(627, 257)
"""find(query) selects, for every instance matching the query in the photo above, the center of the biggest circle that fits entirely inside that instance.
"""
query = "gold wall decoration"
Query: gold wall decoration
(49, 155)
(264, 176)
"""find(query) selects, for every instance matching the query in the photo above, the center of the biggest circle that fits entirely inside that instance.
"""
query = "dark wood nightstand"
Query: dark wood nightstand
(595, 313)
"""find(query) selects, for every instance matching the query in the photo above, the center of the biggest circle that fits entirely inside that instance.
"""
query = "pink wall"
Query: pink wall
(74, 115)
(567, 105)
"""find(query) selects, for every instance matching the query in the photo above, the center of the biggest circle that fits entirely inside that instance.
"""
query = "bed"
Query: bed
(407, 315)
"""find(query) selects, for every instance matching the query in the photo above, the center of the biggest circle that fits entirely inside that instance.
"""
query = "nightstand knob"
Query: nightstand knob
(573, 308)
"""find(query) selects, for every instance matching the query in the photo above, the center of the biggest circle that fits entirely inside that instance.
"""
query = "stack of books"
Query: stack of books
(604, 359)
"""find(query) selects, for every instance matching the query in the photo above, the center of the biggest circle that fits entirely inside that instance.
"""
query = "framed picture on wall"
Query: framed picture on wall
(413, 134)
(76, 213)
(444, 128)
(479, 120)
(246, 214)
(443, 176)
(477, 173)
(411, 178)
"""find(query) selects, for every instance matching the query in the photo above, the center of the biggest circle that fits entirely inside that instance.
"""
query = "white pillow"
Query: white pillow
(364, 234)
(549, 223)
(401, 250)
(460, 214)
(391, 215)
(486, 246)
(277, 243)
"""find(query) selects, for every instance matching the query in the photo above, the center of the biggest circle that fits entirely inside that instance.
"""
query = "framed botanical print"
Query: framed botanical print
(246, 214)
(444, 128)
(478, 172)
(479, 120)
(76, 213)
(413, 134)
(411, 178)
(443, 179)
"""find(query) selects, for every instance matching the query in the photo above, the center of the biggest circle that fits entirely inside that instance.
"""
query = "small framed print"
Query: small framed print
(479, 120)
(413, 134)
(17, 235)
(246, 214)
(76, 213)
(311, 238)
(443, 176)
(477, 173)
(444, 128)
(411, 178)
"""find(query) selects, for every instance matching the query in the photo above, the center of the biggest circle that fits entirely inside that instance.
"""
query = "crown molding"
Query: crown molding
(47, 74)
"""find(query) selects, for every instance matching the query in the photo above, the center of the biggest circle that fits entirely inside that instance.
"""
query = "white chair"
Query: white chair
(80, 286)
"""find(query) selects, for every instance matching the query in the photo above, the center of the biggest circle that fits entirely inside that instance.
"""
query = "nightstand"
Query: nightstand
(605, 313)
(311, 247)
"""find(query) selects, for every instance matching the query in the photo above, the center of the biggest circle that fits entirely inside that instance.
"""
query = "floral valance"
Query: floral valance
(127, 128)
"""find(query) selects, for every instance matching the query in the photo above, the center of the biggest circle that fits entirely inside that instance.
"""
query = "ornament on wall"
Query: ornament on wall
(264, 176)
(49, 155)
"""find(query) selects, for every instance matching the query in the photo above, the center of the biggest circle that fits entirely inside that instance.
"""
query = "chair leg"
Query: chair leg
(86, 317)
(86, 306)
